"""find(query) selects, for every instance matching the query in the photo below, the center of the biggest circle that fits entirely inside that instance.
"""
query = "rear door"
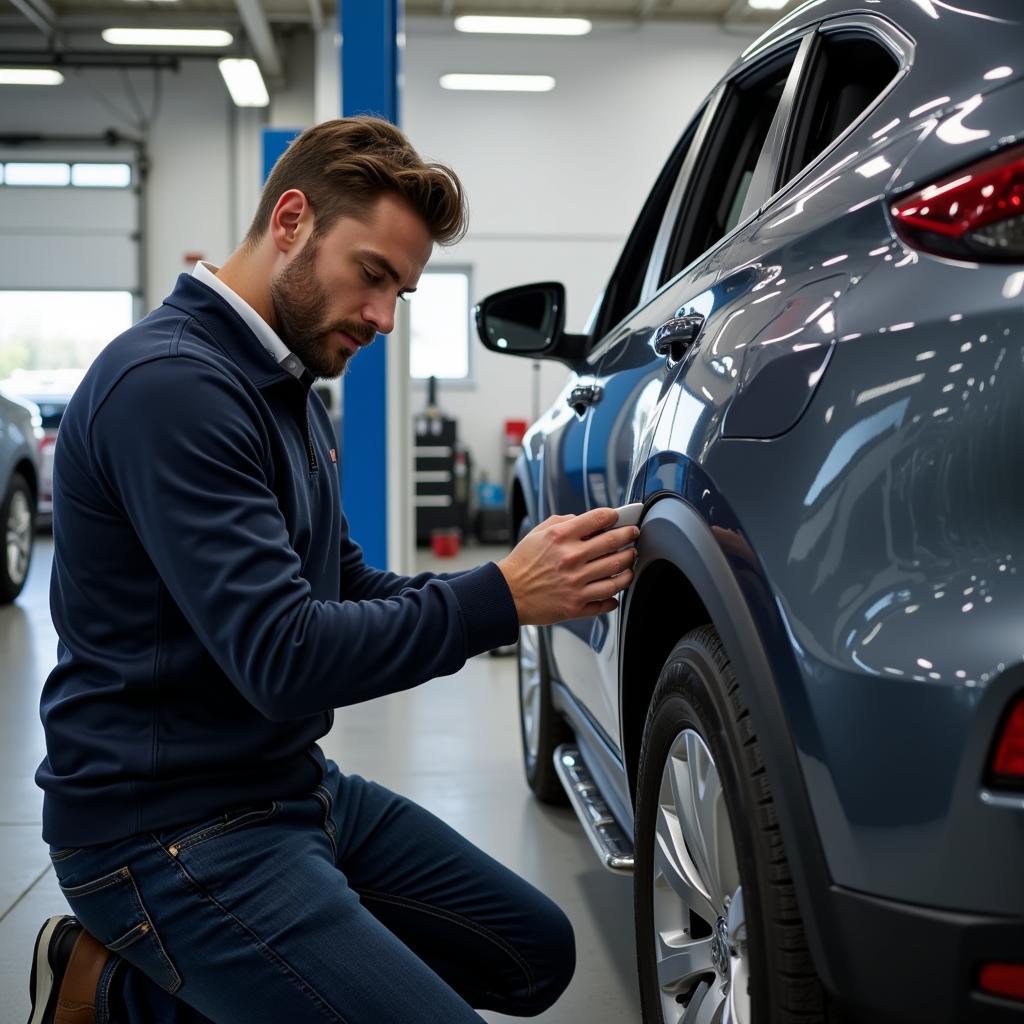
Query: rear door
(722, 181)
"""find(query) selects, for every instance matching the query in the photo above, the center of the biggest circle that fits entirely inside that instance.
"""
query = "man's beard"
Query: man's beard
(300, 306)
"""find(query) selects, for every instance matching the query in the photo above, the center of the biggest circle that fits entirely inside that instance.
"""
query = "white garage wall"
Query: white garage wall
(555, 180)
(204, 152)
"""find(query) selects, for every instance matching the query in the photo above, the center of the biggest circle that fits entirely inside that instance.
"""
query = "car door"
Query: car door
(566, 485)
(790, 268)
(720, 182)
(694, 297)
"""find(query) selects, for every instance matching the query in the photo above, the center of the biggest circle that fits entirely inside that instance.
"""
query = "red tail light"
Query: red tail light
(976, 214)
(1005, 980)
(1007, 765)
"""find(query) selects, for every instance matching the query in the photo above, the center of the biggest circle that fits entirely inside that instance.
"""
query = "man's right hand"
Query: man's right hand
(570, 567)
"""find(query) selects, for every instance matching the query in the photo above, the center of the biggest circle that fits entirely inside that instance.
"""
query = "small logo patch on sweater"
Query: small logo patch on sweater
(334, 455)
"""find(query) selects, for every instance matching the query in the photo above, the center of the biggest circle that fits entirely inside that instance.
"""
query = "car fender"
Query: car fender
(674, 532)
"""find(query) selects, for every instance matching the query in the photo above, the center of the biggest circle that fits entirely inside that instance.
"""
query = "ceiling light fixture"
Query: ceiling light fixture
(523, 26)
(245, 83)
(499, 83)
(30, 76)
(167, 37)
(767, 5)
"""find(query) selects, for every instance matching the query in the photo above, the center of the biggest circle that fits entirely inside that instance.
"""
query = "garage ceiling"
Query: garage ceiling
(665, 10)
(151, 12)
(67, 27)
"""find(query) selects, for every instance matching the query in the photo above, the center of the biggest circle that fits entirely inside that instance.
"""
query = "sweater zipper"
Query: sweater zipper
(310, 451)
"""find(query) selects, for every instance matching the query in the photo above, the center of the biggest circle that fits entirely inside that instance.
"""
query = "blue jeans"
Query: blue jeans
(351, 905)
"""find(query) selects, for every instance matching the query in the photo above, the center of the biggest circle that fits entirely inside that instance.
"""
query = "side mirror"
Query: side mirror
(528, 321)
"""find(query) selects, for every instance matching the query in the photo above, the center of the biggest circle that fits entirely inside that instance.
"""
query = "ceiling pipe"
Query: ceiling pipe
(316, 15)
(40, 13)
(257, 28)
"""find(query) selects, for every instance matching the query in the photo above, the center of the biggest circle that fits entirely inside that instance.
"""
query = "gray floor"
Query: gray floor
(452, 745)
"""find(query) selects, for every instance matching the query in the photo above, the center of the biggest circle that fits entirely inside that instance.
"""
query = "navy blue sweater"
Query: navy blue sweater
(211, 607)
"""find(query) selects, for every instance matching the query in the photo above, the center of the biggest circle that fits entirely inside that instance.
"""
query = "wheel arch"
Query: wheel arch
(24, 468)
(683, 580)
(523, 501)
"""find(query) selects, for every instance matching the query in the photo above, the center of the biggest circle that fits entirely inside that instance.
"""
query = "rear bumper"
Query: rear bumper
(904, 964)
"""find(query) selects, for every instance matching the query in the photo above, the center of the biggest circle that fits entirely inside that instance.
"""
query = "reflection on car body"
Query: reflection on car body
(803, 730)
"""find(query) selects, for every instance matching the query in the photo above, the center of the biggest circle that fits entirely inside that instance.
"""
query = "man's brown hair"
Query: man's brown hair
(344, 166)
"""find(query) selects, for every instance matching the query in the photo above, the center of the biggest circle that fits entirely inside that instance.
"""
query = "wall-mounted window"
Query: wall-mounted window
(53, 174)
(439, 327)
(59, 330)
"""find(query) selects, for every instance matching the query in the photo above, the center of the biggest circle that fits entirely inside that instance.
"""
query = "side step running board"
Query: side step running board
(612, 846)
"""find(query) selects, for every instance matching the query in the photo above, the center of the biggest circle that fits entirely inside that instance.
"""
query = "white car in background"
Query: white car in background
(51, 390)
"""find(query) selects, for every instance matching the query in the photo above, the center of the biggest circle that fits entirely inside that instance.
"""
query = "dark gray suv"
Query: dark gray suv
(803, 729)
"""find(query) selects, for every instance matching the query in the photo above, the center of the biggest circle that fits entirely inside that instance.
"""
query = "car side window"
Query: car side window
(847, 72)
(622, 295)
(717, 196)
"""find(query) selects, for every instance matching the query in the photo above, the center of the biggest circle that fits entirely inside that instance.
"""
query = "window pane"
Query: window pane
(45, 330)
(101, 175)
(37, 174)
(439, 326)
(848, 75)
(733, 152)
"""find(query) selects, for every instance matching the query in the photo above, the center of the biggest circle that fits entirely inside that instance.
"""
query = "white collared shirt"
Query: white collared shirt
(207, 273)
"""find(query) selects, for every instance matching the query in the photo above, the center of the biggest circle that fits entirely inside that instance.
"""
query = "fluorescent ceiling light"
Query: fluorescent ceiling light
(167, 37)
(767, 5)
(244, 81)
(499, 83)
(524, 26)
(30, 76)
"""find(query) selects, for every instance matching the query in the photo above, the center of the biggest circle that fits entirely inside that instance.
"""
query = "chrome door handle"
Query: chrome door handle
(582, 397)
(675, 336)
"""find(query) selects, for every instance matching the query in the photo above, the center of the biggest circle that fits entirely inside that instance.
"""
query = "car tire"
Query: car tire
(713, 888)
(17, 518)
(541, 728)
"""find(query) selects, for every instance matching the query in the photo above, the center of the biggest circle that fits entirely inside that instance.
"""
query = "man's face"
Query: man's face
(337, 293)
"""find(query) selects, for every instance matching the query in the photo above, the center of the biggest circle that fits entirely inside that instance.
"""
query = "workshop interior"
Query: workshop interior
(749, 272)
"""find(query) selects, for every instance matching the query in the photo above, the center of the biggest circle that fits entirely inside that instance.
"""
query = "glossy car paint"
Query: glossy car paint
(845, 433)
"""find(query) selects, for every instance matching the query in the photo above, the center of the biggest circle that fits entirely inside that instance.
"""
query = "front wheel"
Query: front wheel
(719, 937)
(541, 727)
(17, 515)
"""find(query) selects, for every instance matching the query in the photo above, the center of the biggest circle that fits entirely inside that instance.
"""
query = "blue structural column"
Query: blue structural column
(275, 142)
(369, 85)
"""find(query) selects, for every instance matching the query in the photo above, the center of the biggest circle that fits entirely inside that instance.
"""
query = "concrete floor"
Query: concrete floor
(452, 745)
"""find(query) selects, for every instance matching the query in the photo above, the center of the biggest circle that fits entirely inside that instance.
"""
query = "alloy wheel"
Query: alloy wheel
(19, 537)
(699, 924)
(529, 687)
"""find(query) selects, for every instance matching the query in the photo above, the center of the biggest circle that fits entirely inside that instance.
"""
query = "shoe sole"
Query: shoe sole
(42, 974)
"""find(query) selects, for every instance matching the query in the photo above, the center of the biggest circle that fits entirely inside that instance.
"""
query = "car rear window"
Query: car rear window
(846, 75)
(723, 181)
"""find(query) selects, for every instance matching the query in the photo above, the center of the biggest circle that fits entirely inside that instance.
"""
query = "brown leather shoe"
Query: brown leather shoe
(66, 969)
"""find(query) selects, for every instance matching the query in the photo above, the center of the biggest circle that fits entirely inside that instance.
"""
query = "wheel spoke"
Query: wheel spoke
(18, 537)
(672, 861)
(710, 1009)
(685, 776)
(529, 687)
(679, 966)
(720, 852)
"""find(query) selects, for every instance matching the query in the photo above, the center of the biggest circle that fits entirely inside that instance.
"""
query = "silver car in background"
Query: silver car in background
(20, 434)
(50, 390)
